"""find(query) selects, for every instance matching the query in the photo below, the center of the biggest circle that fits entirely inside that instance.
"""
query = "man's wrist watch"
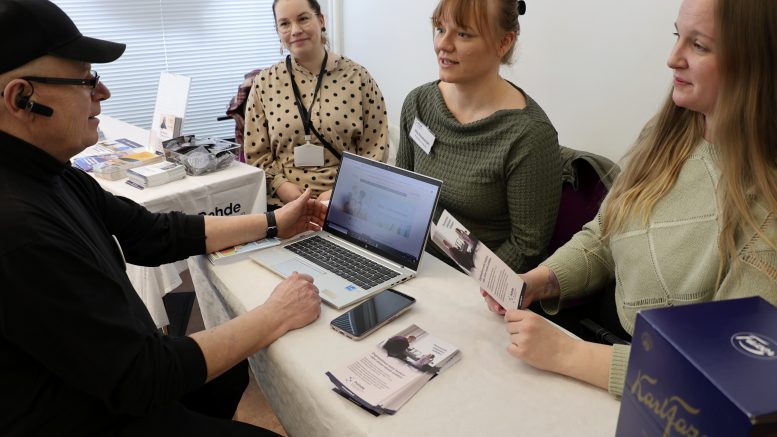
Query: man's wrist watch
(272, 225)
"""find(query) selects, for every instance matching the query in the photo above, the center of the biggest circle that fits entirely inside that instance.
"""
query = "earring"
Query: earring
(323, 29)
(281, 47)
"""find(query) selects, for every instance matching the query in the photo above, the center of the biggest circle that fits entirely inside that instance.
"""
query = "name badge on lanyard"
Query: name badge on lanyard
(308, 154)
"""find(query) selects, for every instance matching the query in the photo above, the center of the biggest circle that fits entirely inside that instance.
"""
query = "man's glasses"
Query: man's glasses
(91, 82)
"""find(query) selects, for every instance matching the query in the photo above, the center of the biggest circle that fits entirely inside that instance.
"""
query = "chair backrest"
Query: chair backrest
(595, 317)
(237, 107)
(578, 206)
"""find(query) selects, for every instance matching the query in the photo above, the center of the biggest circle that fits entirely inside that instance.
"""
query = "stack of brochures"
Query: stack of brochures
(117, 168)
(105, 151)
(389, 374)
(478, 261)
(156, 174)
(241, 250)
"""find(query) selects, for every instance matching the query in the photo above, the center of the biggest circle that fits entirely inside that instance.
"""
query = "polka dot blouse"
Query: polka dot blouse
(349, 112)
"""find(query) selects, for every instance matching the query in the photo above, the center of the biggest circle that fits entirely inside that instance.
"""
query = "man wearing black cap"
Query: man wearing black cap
(79, 353)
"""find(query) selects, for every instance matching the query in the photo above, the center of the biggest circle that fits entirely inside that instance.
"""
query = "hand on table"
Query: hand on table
(296, 299)
(536, 342)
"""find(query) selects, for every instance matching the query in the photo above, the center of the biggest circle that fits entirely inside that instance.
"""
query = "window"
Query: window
(213, 42)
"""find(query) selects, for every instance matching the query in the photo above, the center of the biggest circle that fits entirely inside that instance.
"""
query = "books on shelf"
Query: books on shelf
(105, 151)
(241, 250)
(388, 375)
(116, 168)
(475, 258)
(156, 174)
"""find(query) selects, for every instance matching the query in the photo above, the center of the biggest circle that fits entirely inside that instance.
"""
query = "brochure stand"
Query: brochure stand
(170, 109)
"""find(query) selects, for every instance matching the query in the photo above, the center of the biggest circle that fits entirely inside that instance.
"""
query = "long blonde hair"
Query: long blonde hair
(743, 128)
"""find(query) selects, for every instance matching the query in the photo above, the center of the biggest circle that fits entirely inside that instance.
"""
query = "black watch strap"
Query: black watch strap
(272, 225)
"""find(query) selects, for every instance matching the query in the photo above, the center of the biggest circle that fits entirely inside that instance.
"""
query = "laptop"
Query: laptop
(373, 236)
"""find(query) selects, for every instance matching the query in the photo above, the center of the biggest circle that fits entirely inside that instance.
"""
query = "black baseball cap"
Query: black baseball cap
(30, 29)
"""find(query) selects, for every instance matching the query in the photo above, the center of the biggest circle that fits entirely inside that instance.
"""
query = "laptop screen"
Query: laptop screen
(382, 208)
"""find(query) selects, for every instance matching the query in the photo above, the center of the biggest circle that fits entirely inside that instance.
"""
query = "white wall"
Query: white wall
(597, 67)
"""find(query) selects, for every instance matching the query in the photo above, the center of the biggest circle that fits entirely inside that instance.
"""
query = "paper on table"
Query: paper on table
(389, 374)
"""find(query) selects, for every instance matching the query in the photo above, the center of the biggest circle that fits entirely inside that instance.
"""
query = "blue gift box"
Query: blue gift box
(703, 370)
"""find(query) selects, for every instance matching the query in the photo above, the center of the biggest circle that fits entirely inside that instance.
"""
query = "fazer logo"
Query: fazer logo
(755, 345)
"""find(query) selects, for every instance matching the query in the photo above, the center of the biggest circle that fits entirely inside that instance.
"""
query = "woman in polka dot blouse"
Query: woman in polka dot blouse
(338, 98)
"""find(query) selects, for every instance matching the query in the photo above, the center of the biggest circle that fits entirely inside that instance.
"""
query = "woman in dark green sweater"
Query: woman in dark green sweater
(492, 146)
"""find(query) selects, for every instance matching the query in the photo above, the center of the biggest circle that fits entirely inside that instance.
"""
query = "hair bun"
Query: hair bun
(521, 7)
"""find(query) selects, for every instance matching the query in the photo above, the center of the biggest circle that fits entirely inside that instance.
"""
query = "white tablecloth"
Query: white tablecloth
(236, 190)
(487, 393)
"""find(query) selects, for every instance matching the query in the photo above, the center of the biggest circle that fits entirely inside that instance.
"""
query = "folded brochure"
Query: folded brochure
(389, 374)
(493, 274)
(237, 251)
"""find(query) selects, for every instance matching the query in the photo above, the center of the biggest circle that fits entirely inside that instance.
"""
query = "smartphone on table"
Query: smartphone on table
(371, 314)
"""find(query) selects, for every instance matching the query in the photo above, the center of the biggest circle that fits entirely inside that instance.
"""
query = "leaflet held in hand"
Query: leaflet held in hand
(475, 258)
(388, 375)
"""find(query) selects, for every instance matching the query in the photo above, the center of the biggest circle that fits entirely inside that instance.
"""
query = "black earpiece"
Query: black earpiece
(24, 102)
(521, 7)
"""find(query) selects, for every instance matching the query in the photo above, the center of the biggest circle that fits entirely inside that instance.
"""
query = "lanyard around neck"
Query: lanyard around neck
(306, 114)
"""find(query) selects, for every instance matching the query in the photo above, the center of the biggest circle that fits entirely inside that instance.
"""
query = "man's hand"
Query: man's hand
(303, 214)
(296, 301)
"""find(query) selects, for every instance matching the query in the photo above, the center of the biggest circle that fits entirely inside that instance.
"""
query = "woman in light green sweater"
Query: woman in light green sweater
(692, 216)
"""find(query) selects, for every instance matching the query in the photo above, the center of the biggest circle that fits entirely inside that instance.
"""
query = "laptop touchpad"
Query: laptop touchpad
(286, 268)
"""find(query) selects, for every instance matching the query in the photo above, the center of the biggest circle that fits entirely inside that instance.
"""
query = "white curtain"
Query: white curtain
(215, 42)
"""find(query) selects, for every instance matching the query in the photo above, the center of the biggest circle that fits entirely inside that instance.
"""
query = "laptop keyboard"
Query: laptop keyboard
(342, 262)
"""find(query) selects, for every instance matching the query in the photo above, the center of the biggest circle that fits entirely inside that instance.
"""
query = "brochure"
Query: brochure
(156, 174)
(238, 251)
(117, 168)
(390, 373)
(493, 274)
(104, 151)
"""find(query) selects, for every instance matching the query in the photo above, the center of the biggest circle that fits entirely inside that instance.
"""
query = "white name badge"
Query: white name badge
(308, 155)
(422, 136)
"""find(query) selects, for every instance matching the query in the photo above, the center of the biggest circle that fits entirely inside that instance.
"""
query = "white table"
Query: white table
(488, 392)
(236, 190)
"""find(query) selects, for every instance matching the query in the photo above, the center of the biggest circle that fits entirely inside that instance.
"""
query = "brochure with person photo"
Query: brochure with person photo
(388, 375)
(475, 258)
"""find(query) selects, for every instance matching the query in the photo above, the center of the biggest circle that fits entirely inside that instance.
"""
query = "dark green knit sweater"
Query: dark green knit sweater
(501, 175)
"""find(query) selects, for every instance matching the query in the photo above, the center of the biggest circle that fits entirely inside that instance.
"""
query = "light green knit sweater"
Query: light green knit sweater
(671, 261)
(501, 175)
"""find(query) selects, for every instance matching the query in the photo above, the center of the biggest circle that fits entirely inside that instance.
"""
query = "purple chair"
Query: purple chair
(595, 317)
(578, 204)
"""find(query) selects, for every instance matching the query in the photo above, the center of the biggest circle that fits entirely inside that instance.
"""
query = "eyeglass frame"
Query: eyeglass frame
(93, 82)
(289, 23)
